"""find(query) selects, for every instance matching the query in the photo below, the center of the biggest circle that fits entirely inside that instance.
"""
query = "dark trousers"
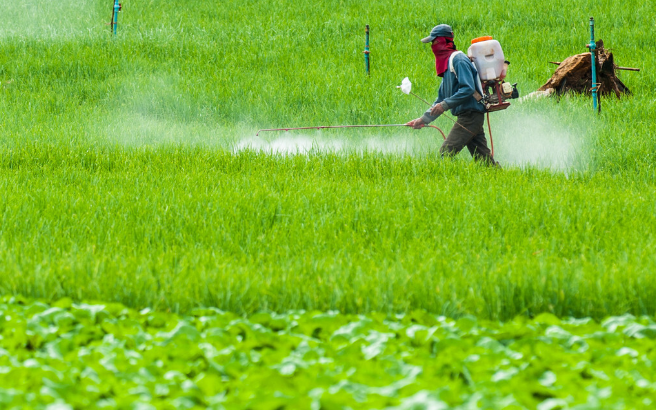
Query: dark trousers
(468, 132)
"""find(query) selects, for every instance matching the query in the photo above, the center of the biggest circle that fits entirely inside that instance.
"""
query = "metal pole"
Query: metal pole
(366, 48)
(117, 7)
(593, 55)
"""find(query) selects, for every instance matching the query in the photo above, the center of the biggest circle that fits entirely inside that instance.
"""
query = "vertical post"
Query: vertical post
(593, 54)
(366, 48)
(117, 8)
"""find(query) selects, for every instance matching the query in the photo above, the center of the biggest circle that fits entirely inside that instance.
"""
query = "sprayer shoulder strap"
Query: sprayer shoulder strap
(477, 80)
(453, 70)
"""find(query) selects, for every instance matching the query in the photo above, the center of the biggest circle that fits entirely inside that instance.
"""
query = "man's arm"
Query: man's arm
(437, 109)
(430, 115)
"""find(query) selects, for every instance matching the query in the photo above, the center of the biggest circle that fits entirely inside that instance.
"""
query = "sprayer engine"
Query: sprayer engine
(496, 93)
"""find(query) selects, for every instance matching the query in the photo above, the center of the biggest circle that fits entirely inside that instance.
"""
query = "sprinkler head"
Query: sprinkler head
(406, 86)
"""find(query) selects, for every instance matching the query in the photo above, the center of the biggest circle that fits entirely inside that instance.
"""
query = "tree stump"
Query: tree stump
(575, 74)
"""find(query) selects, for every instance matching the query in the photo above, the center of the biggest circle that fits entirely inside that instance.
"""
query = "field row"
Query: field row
(109, 356)
(174, 229)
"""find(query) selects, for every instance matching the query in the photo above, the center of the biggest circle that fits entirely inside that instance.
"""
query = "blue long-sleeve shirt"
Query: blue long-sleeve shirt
(457, 92)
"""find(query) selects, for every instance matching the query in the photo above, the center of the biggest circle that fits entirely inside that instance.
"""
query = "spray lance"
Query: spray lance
(321, 127)
(405, 86)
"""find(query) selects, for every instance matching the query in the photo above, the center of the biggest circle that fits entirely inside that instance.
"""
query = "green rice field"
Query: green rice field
(137, 203)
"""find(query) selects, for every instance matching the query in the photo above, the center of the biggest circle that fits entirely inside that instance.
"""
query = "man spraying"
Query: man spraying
(458, 92)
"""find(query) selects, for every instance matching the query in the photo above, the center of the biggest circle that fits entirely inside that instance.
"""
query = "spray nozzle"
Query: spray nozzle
(406, 85)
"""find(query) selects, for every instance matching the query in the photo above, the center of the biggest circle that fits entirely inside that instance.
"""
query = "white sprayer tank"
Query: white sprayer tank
(488, 58)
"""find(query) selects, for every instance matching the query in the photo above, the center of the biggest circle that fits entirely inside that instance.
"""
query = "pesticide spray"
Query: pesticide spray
(532, 137)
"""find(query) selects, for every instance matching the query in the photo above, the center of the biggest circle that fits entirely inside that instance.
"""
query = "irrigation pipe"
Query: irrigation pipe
(321, 127)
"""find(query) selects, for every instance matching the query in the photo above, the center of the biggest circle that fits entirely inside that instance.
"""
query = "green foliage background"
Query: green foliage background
(87, 356)
(119, 180)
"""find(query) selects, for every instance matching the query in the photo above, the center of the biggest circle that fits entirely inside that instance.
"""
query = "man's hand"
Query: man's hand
(416, 124)
(437, 110)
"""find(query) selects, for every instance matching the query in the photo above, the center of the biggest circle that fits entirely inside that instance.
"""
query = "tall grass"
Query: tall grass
(120, 180)
(177, 227)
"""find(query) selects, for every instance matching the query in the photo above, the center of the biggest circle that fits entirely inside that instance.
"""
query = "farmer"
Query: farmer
(458, 92)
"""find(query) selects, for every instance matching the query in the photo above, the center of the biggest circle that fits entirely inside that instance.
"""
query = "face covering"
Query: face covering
(443, 48)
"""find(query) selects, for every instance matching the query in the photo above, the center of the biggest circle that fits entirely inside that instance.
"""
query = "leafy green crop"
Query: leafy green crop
(79, 356)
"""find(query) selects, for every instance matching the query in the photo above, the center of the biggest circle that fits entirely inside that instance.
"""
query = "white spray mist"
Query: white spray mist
(540, 136)
(303, 144)
(52, 19)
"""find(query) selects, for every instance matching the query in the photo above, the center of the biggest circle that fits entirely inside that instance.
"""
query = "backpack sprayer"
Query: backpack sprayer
(487, 57)
(492, 91)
